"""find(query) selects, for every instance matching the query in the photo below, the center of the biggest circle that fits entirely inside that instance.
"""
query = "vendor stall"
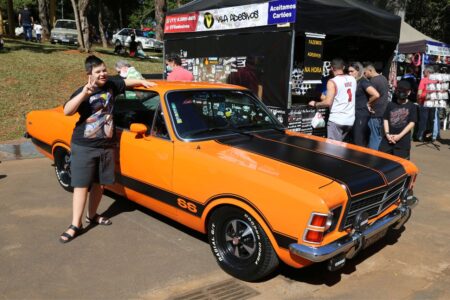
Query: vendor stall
(417, 53)
(279, 49)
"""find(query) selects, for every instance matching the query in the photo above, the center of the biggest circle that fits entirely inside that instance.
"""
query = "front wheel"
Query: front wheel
(240, 245)
(62, 168)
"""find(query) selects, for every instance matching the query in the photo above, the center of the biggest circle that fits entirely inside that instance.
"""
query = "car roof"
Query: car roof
(165, 86)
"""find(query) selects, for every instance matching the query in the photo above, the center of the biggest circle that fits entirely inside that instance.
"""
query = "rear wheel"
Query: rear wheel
(62, 168)
(240, 245)
(118, 43)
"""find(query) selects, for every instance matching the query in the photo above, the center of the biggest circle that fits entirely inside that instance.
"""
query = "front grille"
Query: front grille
(373, 204)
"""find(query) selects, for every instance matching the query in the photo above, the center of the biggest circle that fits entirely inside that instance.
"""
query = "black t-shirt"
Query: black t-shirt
(95, 112)
(381, 84)
(361, 98)
(25, 17)
(399, 116)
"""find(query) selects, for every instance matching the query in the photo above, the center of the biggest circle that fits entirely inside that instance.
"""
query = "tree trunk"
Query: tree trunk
(43, 16)
(100, 24)
(11, 21)
(2, 32)
(120, 18)
(52, 13)
(160, 11)
(82, 7)
(78, 22)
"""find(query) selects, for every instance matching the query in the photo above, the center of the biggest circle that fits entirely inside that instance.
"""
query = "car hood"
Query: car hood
(357, 170)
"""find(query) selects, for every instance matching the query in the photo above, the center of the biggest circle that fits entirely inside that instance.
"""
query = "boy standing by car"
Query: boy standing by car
(398, 121)
(93, 141)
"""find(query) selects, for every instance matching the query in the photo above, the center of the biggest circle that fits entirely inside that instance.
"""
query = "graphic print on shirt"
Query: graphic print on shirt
(399, 118)
(99, 124)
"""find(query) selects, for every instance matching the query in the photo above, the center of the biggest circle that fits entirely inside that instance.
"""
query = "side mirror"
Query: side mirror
(138, 128)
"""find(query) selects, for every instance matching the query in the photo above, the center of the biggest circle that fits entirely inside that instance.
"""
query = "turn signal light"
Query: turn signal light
(313, 236)
(318, 220)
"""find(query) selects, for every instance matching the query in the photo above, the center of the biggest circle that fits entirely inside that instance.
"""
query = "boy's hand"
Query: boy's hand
(148, 84)
(89, 88)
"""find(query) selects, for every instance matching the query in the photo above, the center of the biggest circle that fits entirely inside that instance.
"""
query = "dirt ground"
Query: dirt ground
(146, 256)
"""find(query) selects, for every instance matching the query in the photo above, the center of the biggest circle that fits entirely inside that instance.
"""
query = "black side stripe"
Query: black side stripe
(391, 170)
(44, 146)
(158, 194)
(284, 241)
(357, 178)
(172, 198)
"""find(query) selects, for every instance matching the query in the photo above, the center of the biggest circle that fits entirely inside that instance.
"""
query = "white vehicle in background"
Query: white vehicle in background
(146, 40)
(65, 31)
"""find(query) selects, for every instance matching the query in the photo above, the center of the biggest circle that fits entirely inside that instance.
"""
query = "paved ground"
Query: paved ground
(143, 255)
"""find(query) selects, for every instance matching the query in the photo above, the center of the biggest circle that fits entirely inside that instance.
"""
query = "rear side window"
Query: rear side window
(135, 107)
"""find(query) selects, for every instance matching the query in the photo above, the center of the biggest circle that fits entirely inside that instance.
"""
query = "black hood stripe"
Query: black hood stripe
(391, 170)
(357, 178)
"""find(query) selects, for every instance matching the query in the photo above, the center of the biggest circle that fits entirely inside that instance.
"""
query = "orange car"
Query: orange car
(212, 157)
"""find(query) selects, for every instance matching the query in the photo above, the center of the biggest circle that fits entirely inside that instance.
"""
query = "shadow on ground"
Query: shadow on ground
(316, 274)
(15, 44)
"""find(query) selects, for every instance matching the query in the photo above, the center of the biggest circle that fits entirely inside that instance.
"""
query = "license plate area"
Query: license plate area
(372, 240)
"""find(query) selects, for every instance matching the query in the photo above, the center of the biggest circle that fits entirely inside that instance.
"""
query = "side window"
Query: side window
(159, 128)
(135, 107)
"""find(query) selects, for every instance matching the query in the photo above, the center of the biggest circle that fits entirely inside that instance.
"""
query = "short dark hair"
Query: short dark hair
(91, 62)
(338, 64)
(175, 58)
(404, 85)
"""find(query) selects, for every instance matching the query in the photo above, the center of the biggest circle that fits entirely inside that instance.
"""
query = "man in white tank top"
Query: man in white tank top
(340, 97)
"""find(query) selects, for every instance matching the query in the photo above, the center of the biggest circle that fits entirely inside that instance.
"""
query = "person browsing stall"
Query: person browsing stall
(176, 71)
(93, 141)
(365, 94)
(398, 121)
(340, 97)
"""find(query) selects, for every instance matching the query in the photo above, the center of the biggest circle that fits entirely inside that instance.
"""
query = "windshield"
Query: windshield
(206, 114)
(66, 24)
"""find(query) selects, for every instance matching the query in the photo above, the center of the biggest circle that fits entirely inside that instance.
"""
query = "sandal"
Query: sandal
(77, 231)
(99, 220)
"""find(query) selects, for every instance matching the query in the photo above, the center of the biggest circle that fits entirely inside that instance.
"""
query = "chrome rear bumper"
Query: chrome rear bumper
(350, 244)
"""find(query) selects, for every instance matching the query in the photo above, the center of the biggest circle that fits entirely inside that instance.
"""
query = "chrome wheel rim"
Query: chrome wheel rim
(240, 239)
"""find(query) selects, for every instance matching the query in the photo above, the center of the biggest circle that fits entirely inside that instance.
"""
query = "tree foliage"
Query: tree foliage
(431, 17)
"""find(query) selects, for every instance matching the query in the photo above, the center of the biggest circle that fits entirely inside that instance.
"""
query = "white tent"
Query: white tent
(414, 41)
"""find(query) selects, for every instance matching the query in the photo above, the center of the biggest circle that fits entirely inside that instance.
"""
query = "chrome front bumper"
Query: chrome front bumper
(350, 244)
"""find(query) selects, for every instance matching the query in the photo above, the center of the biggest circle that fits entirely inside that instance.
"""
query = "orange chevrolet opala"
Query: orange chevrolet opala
(213, 158)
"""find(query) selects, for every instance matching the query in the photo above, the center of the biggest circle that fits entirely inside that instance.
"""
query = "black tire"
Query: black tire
(62, 168)
(240, 245)
(118, 43)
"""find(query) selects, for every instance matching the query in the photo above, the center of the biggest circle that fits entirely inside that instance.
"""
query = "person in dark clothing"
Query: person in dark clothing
(26, 20)
(93, 142)
(398, 121)
(365, 93)
(133, 45)
(378, 106)
(410, 76)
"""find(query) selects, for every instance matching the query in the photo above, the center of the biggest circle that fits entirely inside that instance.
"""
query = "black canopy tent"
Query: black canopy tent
(353, 29)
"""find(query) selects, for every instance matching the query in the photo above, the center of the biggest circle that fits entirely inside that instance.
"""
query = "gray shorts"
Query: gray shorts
(91, 165)
(337, 132)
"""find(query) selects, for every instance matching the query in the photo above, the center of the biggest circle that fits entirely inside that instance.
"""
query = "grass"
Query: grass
(41, 76)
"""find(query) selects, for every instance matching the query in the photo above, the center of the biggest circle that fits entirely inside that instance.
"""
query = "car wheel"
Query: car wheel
(62, 168)
(118, 43)
(240, 245)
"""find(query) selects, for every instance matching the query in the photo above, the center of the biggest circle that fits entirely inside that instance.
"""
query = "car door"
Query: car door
(145, 160)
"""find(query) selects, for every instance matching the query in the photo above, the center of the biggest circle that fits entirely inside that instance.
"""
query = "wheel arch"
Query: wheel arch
(242, 203)
(59, 144)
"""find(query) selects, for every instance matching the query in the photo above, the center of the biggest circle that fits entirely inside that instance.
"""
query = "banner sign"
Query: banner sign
(282, 11)
(438, 49)
(313, 64)
(181, 23)
(235, 17)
